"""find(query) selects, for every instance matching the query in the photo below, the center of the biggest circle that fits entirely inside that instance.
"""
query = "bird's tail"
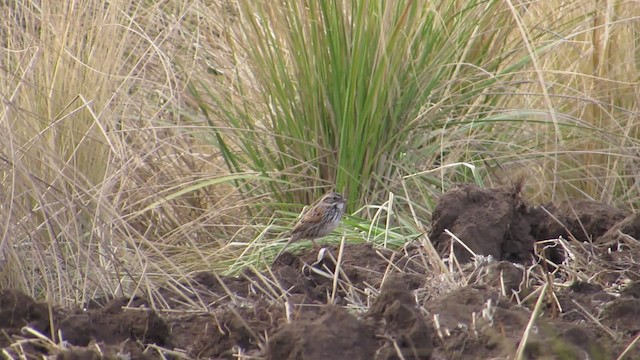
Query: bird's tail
(284, 248)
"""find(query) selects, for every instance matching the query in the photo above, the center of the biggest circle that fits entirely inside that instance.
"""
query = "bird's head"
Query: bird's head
(334, 198)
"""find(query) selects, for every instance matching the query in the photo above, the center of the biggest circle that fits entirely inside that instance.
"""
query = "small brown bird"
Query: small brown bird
(318, 221)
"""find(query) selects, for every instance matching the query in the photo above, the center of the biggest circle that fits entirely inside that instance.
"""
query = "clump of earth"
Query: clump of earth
(564, 277)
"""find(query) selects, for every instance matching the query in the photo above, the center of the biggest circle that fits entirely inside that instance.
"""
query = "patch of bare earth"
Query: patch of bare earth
(379, 304)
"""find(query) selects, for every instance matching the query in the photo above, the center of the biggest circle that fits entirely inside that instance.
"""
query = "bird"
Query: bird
(318, 221)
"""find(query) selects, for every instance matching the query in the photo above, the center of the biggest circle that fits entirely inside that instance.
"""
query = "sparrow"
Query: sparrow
(318, 221)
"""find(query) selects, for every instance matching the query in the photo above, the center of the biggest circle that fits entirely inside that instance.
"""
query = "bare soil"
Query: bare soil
(386, 305)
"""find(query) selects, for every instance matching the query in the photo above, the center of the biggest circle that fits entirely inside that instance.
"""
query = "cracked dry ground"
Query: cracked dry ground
(387, 305)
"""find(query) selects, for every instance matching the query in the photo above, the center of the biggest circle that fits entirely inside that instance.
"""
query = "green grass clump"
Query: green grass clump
(371, 97)
(352, 94)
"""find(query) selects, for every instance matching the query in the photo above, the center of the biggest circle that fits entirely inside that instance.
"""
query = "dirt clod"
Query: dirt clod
(489, 221)
(336, 334)
(623, 315)
(624, 229)
(113, 325)
(17, 310)
(585, 220)
(405, 329)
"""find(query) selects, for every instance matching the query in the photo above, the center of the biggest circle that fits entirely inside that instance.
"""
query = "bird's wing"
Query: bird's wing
(313, 216)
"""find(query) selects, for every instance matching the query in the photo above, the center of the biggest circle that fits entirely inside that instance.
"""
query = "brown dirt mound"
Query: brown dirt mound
(384, 305)
(115, 328)
(583, 220)
(335, 334)
(400, 323)
(490, 222)
(499, 223)
(625, 229)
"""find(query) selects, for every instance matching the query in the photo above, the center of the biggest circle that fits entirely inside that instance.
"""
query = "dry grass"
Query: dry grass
(92, 135)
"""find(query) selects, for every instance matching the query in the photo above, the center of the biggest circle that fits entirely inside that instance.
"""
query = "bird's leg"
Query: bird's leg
(315, 244)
